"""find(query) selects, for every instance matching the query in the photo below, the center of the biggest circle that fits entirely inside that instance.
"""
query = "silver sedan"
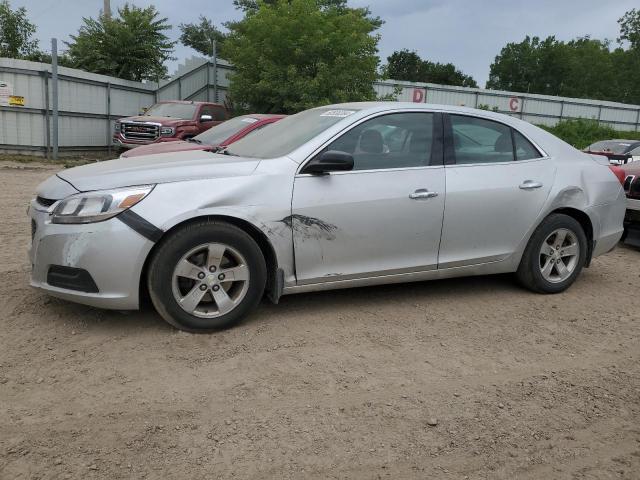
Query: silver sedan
(339, 196)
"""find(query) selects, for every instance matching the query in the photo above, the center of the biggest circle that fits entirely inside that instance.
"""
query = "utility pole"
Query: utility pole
(106, 9)
(54, 94)
(214, 51)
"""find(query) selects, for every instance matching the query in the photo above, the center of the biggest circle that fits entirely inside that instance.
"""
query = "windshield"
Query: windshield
(185, 111)
(617, 148)
(288, 134)
(218, 134)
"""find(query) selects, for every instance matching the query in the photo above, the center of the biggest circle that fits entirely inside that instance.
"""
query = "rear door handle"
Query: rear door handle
(422, 193)
(530, 185)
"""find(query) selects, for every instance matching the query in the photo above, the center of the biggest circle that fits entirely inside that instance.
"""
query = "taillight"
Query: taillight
(618, 172)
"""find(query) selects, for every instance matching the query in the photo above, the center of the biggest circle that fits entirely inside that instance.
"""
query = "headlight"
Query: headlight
(97, 206)
(116, 126)
(166, 131)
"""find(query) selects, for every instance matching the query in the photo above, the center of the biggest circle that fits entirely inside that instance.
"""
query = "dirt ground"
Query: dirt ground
(338, 384)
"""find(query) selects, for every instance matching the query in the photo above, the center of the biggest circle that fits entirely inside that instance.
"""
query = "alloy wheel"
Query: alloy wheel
(210, 280)
(559, 255)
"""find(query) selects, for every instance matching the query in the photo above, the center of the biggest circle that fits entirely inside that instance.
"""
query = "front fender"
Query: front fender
(263, 201)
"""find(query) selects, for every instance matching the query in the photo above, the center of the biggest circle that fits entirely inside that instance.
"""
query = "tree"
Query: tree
(630, 28)
(201, 36)
(251, 6)
(583, 68)
(130, 46)
(16, 32)
(293, 55)
(408, 66)
(532, 65)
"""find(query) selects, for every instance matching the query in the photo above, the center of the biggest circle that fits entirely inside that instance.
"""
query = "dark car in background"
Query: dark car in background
(632, 190)
(617, 151)
(213, 139)
(168, 122)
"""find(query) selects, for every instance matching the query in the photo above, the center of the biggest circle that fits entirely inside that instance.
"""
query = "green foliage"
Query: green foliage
(293, 55)
(583, 132)
(391, 97)
(43, 57)
(200, 36)
(484, 106)
(630, 28)
(252, 6)
(408, 66)
(132, 45)
(582, 68)
(16, 32)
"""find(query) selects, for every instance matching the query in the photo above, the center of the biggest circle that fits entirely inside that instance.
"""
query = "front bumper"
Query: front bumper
(110, 251)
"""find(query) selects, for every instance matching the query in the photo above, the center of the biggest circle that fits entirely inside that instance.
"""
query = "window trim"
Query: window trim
(437, 148)
(449, 149)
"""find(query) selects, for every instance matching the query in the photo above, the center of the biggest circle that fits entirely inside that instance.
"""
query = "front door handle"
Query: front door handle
(422, 193)
(530, 185)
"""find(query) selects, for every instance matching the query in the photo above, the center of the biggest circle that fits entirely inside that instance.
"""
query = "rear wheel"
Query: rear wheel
(555, 255)
(206, 276)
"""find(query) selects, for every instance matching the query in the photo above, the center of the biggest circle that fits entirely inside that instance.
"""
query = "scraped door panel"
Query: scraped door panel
(360, 224)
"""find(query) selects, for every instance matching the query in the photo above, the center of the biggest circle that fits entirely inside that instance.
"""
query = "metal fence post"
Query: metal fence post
(47, 122)
(54, 94)
(109, 118)
(561, 109)
(215, 71)
(638, 121)
(599, 113)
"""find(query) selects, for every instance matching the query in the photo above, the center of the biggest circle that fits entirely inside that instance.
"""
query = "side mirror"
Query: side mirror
(329, 161)
(206, 118)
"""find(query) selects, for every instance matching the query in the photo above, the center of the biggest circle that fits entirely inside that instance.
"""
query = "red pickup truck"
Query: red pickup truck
(167, 122)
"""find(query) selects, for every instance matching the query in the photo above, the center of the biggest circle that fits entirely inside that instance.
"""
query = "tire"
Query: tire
(206, 276)
(537, 271)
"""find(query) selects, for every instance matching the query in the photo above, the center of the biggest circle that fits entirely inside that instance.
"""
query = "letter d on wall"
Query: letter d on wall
(419, 95)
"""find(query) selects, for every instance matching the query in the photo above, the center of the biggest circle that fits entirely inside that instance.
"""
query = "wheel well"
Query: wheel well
(584, 220)
(254, 232)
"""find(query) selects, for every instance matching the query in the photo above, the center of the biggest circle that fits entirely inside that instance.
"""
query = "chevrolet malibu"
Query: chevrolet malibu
(339, 196)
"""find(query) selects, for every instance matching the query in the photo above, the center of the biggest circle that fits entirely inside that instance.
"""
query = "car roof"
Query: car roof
(545, 141)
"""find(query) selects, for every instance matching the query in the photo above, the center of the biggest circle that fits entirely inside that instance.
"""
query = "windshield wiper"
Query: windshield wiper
(194, 140)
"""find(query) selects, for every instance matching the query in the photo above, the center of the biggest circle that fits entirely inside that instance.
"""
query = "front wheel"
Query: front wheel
(206, 276)
(555, 255)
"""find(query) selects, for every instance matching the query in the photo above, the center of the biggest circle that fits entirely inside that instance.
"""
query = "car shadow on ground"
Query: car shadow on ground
(323, 302)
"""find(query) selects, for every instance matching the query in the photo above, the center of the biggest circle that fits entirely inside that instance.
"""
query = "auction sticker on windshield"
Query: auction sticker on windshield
(337, 113)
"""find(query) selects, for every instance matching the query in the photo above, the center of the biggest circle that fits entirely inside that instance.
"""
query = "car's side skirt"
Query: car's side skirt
(504, 266)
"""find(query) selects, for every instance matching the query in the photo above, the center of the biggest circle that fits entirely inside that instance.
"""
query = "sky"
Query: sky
(467, 33)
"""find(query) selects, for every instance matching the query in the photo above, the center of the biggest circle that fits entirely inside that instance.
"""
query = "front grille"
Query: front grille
(140, 131)
(45, 202)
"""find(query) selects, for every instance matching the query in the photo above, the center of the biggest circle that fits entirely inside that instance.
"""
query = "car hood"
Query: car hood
(165, 147)
(160, 168)
(166, 121)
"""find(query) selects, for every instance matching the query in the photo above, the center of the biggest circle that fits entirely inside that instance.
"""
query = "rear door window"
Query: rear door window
(524, 148)
(477, 140)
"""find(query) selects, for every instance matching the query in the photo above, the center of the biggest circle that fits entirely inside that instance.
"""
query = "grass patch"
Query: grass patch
(583, 132)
